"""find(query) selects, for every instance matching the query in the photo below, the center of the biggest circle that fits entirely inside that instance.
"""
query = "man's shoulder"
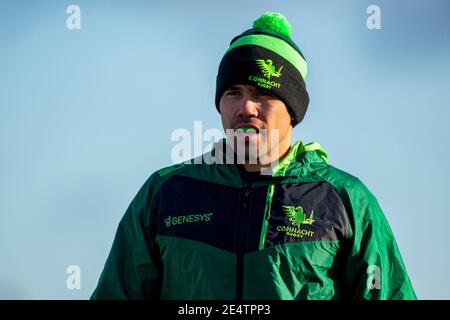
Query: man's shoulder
(188, 168)
(339, 176)
(344, 182)
(223, 174)
(166, 172)
(158, 177)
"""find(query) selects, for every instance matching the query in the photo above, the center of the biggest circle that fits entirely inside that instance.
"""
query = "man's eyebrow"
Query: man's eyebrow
(233, 88)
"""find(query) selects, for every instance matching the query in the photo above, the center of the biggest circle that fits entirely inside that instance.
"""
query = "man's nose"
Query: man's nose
(248, 107)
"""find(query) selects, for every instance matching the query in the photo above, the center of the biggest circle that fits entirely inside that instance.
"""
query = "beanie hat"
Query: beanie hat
(266, 57)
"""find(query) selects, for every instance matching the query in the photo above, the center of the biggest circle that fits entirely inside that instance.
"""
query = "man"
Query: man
(224, 230)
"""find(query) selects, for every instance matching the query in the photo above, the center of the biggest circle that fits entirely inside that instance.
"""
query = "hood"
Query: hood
(300, 158)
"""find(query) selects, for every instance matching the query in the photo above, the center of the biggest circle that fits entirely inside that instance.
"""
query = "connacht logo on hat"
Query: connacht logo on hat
(268, 70)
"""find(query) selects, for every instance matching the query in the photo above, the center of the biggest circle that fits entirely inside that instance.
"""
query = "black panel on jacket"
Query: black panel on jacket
(181, 199)
(325, 214)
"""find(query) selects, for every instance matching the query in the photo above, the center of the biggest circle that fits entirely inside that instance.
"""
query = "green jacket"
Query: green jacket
(212, 231)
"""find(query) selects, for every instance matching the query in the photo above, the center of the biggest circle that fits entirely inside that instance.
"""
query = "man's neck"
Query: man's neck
(253, 167)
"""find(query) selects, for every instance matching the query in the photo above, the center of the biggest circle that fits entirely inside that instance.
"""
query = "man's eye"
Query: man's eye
(232, 93)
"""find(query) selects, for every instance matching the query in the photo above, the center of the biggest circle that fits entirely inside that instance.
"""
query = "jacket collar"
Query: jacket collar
(300, 160)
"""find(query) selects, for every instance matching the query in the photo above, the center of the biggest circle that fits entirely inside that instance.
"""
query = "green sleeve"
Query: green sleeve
(374, 268)
(131, 270)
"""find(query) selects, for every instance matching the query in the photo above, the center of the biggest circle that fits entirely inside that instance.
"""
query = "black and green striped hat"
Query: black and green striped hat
(267, 57)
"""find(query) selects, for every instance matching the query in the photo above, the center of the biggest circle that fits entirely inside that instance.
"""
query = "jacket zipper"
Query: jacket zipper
(242, 238)
(266, 218)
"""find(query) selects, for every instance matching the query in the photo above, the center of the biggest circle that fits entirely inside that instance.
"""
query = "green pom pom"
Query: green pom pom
(274, 21)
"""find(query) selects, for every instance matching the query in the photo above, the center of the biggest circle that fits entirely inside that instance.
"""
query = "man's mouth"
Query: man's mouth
(247, 130)
(246, 133)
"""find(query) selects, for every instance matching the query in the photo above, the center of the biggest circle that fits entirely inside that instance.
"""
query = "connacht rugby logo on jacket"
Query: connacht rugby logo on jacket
(297, 217)
(268, 71)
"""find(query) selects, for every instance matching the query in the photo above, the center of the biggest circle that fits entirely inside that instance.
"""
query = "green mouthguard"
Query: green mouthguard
(246, 129)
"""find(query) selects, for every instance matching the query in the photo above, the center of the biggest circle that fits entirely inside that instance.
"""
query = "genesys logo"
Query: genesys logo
(189, 218)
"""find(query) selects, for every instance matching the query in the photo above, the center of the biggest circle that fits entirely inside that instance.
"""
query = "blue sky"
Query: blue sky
(87, 115)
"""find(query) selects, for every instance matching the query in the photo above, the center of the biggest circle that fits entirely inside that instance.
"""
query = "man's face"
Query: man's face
(265, 116)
